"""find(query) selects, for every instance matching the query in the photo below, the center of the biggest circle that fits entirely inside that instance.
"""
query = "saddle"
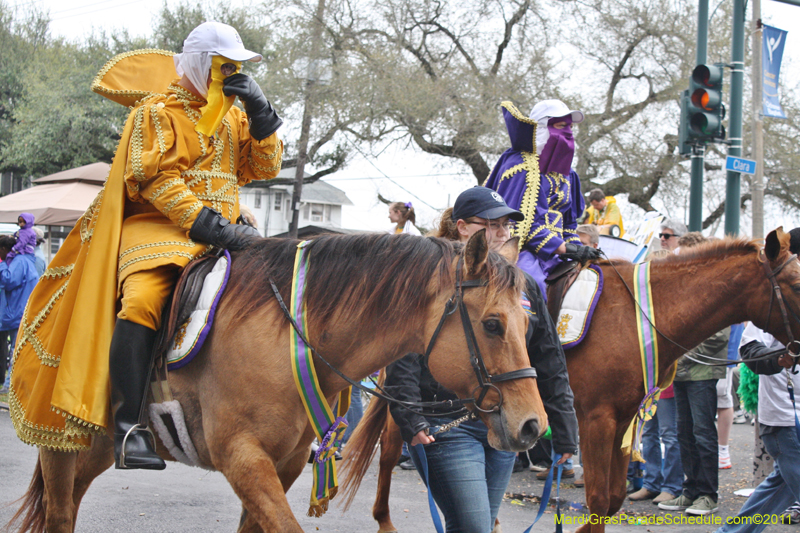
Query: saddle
(165, 413)
(558, 283)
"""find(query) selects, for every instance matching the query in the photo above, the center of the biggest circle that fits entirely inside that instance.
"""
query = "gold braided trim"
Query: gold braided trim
(58, 272)
(96, 83)
(545, 241)
(219, 150)
(190, 244)
(154, 256)
(46, 358)
(200, 175)
(260, 170)
(49, 437)
(162, 145)
(218, 197)
(529, 199)
(189, 212)
(90, 214)
(231, 161)
(137, 146)
(37, 322)
(184, 95)
(266, 157)
(178, 197)
(165, 187)
(512, 171)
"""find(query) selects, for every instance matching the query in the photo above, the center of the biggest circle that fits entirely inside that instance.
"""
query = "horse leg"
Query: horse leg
(254, 478)
(288, 474)
(58, 473)
(391, 449)
(89, 465)
(598, 435)
(618, 478)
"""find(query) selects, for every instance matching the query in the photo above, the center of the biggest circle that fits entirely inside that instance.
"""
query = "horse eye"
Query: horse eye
(796, 288)
(493, 327)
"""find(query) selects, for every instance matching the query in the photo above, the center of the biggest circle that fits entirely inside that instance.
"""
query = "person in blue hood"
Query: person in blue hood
(17, 280)
(536, 177)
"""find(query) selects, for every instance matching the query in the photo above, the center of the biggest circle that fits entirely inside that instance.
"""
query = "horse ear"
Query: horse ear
(776, 241)
(510, 250)
(475, 253)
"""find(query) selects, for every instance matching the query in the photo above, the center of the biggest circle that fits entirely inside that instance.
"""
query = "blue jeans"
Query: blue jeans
(13, 335)
(666, 476)
(782, 486)
(354, 414)
(467, 477)
(696, 403)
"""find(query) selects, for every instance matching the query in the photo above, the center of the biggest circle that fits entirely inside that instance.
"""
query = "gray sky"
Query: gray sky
(398, 174)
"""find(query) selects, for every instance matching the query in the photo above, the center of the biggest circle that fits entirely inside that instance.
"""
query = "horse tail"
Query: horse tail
(361, 446)
(31, 512)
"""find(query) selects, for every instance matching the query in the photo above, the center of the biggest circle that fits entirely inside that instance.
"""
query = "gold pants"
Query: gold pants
(144, 294)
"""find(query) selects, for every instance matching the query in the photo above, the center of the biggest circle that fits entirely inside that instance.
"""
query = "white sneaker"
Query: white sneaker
(725, 462)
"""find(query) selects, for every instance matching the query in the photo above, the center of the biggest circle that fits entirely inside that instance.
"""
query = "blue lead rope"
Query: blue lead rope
(422, 458)
(548, 485)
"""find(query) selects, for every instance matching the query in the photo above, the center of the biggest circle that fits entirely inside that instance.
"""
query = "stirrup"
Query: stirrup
(135, 427)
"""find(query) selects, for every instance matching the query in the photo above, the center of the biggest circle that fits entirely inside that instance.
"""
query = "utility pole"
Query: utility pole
(757, 188)
(308, 111)
(698, 151)
(733, 185)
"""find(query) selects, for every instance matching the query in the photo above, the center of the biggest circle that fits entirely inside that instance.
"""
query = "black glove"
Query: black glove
(264, 121)
(582, 254)
(211, 228)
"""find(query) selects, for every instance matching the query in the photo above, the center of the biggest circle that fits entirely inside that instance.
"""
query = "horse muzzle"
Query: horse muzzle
(522, 438)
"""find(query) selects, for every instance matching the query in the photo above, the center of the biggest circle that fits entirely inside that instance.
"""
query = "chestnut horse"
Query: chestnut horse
(695, 294)
(370, 299)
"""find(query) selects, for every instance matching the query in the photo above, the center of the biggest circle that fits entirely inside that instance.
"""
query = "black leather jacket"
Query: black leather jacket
(409, 379)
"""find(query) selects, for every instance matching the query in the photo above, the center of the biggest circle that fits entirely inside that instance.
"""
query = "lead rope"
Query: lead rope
(548, 486)
(790, 388)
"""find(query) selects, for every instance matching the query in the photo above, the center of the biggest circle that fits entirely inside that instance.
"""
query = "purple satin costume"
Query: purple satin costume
(550, 201)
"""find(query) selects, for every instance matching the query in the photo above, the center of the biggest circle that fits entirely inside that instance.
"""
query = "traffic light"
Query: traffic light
(706, 110)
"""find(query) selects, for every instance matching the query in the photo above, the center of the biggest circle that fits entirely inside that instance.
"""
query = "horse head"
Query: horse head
(784, 268)
(509, 404)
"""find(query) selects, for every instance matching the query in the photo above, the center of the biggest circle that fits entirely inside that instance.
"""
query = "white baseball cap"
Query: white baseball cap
(219, 39)
(555, 108)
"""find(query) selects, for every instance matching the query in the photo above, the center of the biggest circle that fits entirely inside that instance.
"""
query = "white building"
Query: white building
(321, 204)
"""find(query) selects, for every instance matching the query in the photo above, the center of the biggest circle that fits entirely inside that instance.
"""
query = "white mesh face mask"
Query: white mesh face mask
(196, 66)
(542, 135)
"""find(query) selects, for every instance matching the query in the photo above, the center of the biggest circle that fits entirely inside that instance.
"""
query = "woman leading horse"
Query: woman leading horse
(468, 477)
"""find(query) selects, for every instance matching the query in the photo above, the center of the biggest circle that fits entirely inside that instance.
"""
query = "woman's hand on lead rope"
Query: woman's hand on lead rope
(422, 438)
(564, 458)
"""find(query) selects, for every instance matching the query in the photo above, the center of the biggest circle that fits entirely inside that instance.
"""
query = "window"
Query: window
(317, 212)
(278, 201)
(257, 202)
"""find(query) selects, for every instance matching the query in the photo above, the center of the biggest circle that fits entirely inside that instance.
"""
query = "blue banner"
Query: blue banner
(771, 56)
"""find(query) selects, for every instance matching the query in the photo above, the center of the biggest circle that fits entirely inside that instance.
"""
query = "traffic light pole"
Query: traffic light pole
(696, 190)
(733, 186)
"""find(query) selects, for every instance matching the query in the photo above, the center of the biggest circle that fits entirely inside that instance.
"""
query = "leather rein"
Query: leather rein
(486, 380)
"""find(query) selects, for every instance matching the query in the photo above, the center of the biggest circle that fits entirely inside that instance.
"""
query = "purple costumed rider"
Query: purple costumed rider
(535, 176)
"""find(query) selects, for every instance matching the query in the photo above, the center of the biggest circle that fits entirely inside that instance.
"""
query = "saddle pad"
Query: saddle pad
(192, 333)
(578, 306)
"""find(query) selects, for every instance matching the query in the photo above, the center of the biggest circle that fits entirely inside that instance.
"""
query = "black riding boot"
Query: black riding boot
(129, 362)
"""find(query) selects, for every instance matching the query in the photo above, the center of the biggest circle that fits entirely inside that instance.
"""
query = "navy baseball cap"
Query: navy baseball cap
(484, 203)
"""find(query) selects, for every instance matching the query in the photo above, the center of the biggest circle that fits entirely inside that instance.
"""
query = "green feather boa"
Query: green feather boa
(748, 389)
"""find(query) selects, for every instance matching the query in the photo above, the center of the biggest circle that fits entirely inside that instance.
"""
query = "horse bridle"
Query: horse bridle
(486, 380)
(793, 346)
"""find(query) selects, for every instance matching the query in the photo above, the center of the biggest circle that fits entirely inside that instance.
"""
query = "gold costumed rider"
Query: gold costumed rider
(172, 194)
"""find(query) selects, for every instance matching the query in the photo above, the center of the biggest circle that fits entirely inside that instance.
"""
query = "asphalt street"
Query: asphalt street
(185, 499)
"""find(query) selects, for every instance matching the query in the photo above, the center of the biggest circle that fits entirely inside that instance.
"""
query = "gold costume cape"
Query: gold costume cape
(163, 173)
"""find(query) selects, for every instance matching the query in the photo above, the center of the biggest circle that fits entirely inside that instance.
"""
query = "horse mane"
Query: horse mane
(715, 250)
(376, 279)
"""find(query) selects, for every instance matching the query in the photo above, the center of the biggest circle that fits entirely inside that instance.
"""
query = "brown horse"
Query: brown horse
(370, 299)
(695, 294)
